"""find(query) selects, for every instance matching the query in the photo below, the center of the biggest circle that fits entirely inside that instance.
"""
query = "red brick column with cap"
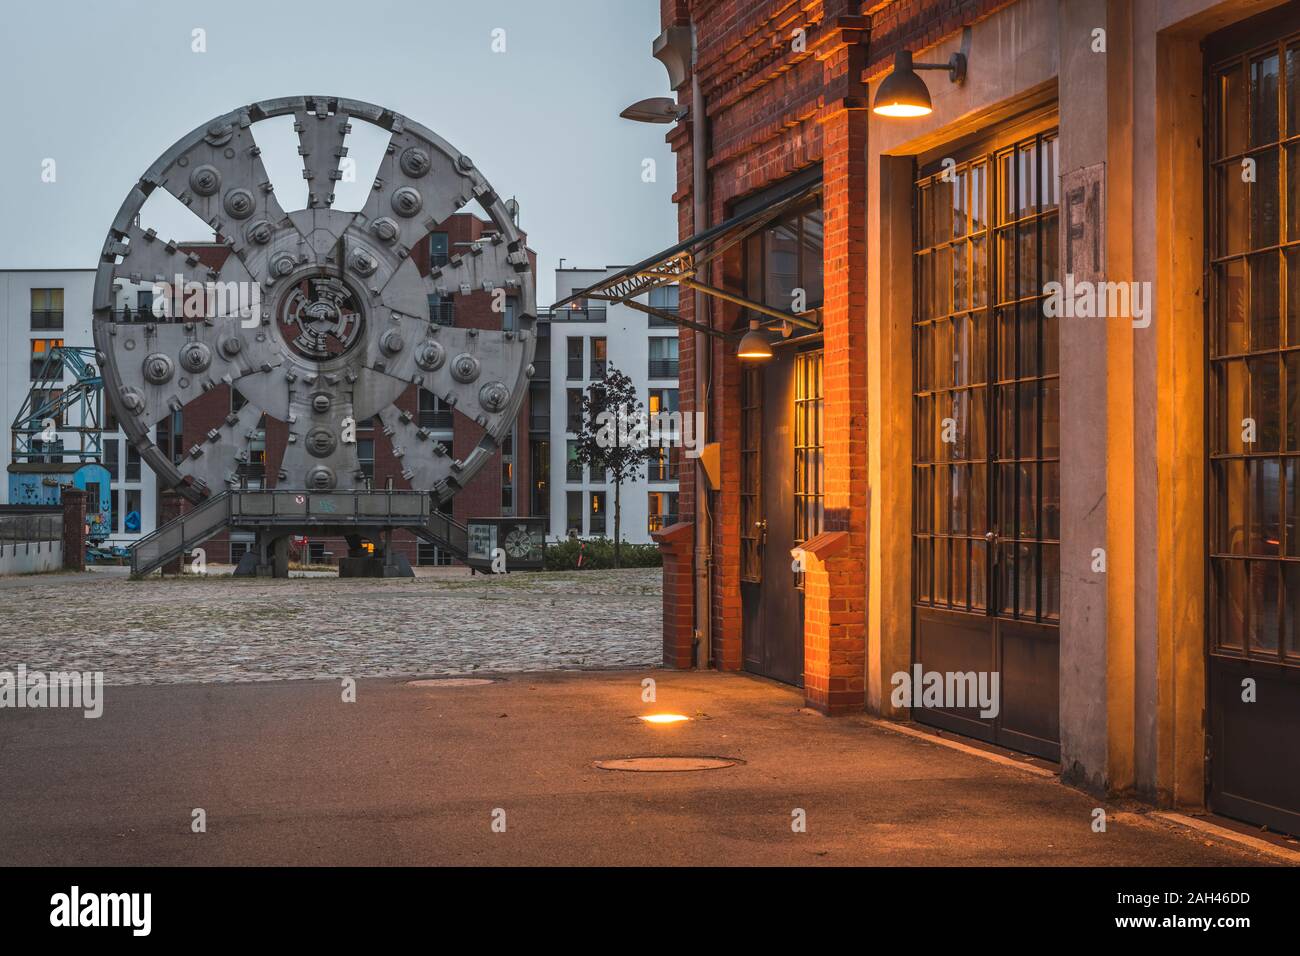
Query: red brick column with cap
(835, 621)
(676, 544)
(74, 527)
(834, 634)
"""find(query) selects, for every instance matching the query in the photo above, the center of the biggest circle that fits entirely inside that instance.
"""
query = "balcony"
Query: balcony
(43, 319)
(598, 369)
(663, 469)
(659, 522)
(658, 323)
(595, 313)
(663, 368)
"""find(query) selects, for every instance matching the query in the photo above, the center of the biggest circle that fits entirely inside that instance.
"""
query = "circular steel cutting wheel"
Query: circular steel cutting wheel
(317, 316)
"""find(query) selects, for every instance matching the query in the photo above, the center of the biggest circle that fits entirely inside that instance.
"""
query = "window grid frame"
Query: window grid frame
(1007, 299)
(1223, 164)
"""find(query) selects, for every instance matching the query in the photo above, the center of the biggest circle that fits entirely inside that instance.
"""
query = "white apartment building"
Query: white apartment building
(45, 308)
(580, 341)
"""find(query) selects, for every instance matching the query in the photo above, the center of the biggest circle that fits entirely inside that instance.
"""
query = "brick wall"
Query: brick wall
(918, 24)
(775, 110)
(677, 542)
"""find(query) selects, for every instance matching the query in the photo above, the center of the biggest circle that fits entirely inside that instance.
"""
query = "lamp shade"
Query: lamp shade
(754, 346)
(902, 93)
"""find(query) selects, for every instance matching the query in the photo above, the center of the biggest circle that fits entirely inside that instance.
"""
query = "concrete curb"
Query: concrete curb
(964, 748)
(1255, 843)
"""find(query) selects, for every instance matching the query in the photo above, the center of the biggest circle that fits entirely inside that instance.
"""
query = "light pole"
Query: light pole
(676, 49)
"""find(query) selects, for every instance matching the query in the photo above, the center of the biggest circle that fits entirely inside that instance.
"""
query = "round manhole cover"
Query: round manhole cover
(666, 764)
(450, 682)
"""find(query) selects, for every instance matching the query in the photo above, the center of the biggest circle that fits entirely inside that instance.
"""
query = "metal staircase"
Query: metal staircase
(323, 513)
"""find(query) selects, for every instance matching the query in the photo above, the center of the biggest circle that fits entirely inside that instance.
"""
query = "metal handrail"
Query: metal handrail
(180, 534)
(290, 507)
(397, 508)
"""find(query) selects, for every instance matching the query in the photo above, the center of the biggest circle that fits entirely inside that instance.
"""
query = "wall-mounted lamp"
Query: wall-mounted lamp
(903, 93)
(754, 346)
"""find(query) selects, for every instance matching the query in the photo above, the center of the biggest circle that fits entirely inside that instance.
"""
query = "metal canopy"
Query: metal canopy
(680, 264)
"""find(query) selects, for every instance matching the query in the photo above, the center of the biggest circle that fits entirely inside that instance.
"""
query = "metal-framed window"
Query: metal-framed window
(661, 509)
(442, 309)
(599, 520)
(572, 466)
(808, 446)
(599, 358)
(573, 511)
(41, 349)
(47, 309)
(1254, 353)
(665, 299)
(664, 464)
(433, 412)
(508, 472)
(663, 357)
(785, 256)
(110, 459)
(439, 248)
(986, 397)
(662, 400)
(366, 459)
(540, 469)
(573, 410)
(573, 353)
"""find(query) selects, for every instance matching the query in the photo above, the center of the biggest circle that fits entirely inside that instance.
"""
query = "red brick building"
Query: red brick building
(499, 486)
(1009, 340)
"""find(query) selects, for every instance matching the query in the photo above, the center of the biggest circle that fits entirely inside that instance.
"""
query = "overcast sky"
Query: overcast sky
(103, 88)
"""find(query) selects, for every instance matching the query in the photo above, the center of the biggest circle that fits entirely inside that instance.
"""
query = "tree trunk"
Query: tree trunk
(618, 522)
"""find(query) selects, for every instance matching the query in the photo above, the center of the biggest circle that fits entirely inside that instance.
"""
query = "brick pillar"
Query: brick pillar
(170, 505)
(835, 630)
(74, 527)
(728, 626)
(834, 648)
(677, 544)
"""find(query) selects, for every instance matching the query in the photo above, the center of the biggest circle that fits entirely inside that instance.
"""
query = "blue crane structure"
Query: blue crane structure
(40, 463)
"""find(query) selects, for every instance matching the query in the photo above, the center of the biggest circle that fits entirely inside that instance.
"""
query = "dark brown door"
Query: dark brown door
(986, 477)
(1254, 411)
(772, 605)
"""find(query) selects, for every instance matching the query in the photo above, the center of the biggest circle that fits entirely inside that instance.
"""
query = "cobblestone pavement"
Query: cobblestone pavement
(219, 629)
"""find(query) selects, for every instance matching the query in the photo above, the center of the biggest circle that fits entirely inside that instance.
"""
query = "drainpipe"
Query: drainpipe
(703, 354)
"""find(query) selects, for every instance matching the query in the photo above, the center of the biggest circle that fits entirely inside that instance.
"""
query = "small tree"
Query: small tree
(613, 438)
